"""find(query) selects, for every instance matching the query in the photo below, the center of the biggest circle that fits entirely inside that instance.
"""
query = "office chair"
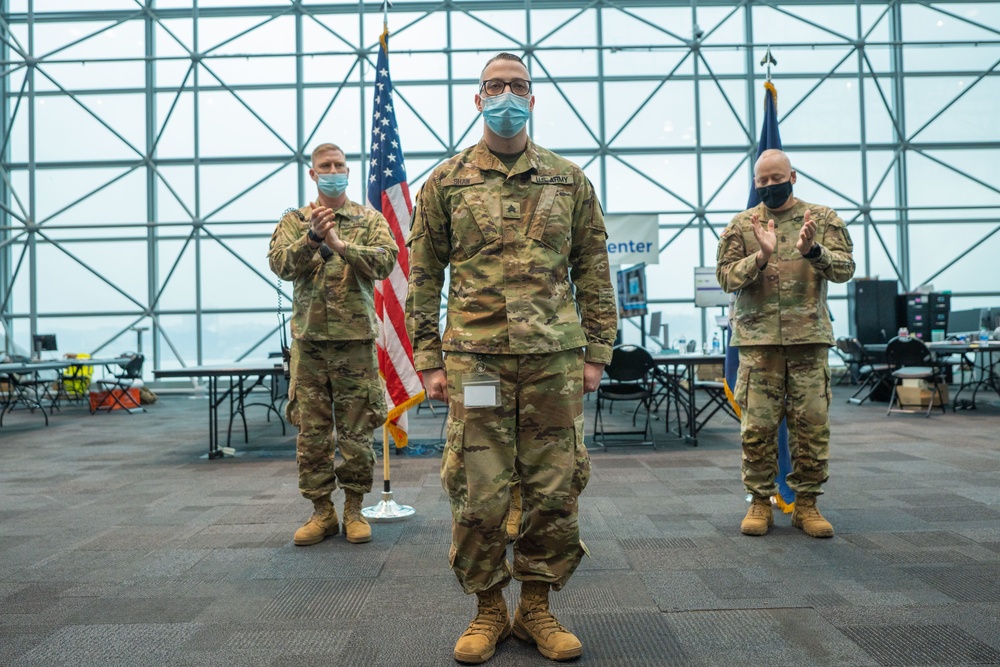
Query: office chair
(117, 387)
(629, 374)
(874, 377)
(852, 362)
(911, 359)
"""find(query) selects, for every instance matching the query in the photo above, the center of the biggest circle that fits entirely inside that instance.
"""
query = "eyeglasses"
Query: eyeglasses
(519, 87)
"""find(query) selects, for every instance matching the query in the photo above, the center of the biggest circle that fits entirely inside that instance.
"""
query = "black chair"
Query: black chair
(911, 359)
(629, 373)
(874, 377)
(118, 386)
(25, 389)
(851, 359)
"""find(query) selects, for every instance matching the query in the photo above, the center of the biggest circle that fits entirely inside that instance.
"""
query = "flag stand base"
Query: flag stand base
(387, 510)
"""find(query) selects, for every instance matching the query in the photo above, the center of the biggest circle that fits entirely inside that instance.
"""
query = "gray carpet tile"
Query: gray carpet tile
(922, 645)
(122, 544)
(319, 598)
(796, 636)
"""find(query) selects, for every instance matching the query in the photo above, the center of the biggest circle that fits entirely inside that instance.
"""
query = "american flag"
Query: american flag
(389, 194)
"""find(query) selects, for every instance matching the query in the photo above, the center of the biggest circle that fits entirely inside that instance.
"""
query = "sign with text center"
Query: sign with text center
(633, 239)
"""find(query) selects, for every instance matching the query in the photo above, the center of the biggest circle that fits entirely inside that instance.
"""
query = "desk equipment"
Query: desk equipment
(968, 322)
(923, 314)
(43, 343)
(871, 310)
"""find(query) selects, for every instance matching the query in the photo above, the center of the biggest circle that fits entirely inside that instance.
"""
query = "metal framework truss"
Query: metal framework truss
(147, 148)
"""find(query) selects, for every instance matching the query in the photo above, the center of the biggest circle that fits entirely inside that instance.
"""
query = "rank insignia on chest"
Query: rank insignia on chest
(511, 209)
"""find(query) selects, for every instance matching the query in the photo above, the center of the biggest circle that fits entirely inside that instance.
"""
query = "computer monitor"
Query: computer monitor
(966, 321)
(655, 323)
(994, 319)
(707, 291)
(43, 343)
(632, 291)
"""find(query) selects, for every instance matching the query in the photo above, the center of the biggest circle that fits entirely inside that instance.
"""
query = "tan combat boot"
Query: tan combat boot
(355, 525)
(533, 622)
(807, 517)
(759, 517)
(514, 513)
(490, 627)
(322, 523)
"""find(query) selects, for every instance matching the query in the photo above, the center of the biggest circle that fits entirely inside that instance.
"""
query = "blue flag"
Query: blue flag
(769, 138)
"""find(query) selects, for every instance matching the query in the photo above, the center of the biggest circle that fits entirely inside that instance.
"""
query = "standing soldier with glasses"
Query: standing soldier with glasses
(520, 228)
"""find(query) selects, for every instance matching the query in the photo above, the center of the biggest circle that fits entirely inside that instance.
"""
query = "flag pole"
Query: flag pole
(387, 509)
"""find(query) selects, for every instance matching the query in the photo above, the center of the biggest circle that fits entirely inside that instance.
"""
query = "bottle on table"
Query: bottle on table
(716, 344)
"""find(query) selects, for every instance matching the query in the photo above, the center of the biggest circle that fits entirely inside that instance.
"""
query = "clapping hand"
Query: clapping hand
(321, 220)
(766, 238)
(806, 235)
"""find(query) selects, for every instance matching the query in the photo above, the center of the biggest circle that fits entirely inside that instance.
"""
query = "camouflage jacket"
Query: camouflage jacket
(334, 296)
(518, 244)
(785, 304)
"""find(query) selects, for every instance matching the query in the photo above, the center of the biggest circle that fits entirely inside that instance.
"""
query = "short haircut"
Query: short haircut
(325, 147)
(501, 56)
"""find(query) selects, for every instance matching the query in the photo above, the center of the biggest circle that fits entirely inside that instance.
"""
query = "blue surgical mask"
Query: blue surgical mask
(506, 114)
(332, 185)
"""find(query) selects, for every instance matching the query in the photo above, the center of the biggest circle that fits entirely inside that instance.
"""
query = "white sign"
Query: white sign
(633, 239)
(707, 292)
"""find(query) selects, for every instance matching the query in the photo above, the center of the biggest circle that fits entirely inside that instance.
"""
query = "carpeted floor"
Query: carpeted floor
(122, 544)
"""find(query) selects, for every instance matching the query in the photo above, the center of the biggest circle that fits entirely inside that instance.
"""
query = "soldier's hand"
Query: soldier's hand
(321, 220)
(333, 241)
(806, 235)
(766, 238)
(436, 384)
(592, 374)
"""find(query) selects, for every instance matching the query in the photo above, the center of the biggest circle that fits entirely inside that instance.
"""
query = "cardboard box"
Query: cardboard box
(103, 400)
(918, 395)
(710, 372)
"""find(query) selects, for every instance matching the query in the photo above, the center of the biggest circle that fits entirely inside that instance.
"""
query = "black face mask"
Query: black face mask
(775, 195)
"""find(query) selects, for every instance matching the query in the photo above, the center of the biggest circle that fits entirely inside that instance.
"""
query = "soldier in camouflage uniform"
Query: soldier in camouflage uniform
(520, 227)
(779, 272)
(333, 250)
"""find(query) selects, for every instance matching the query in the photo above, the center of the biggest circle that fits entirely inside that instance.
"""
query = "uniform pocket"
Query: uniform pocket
(376, 399)
(552, 222)
(292, 406)
(742, 392)
(453, 475)
(581, 464)
(472, 226)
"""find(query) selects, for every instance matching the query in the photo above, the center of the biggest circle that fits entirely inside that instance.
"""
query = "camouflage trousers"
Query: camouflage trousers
(791, 382)
(344, 374)
(536, 433)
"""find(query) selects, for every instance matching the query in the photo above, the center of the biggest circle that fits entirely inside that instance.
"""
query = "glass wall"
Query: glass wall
(148, 148)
